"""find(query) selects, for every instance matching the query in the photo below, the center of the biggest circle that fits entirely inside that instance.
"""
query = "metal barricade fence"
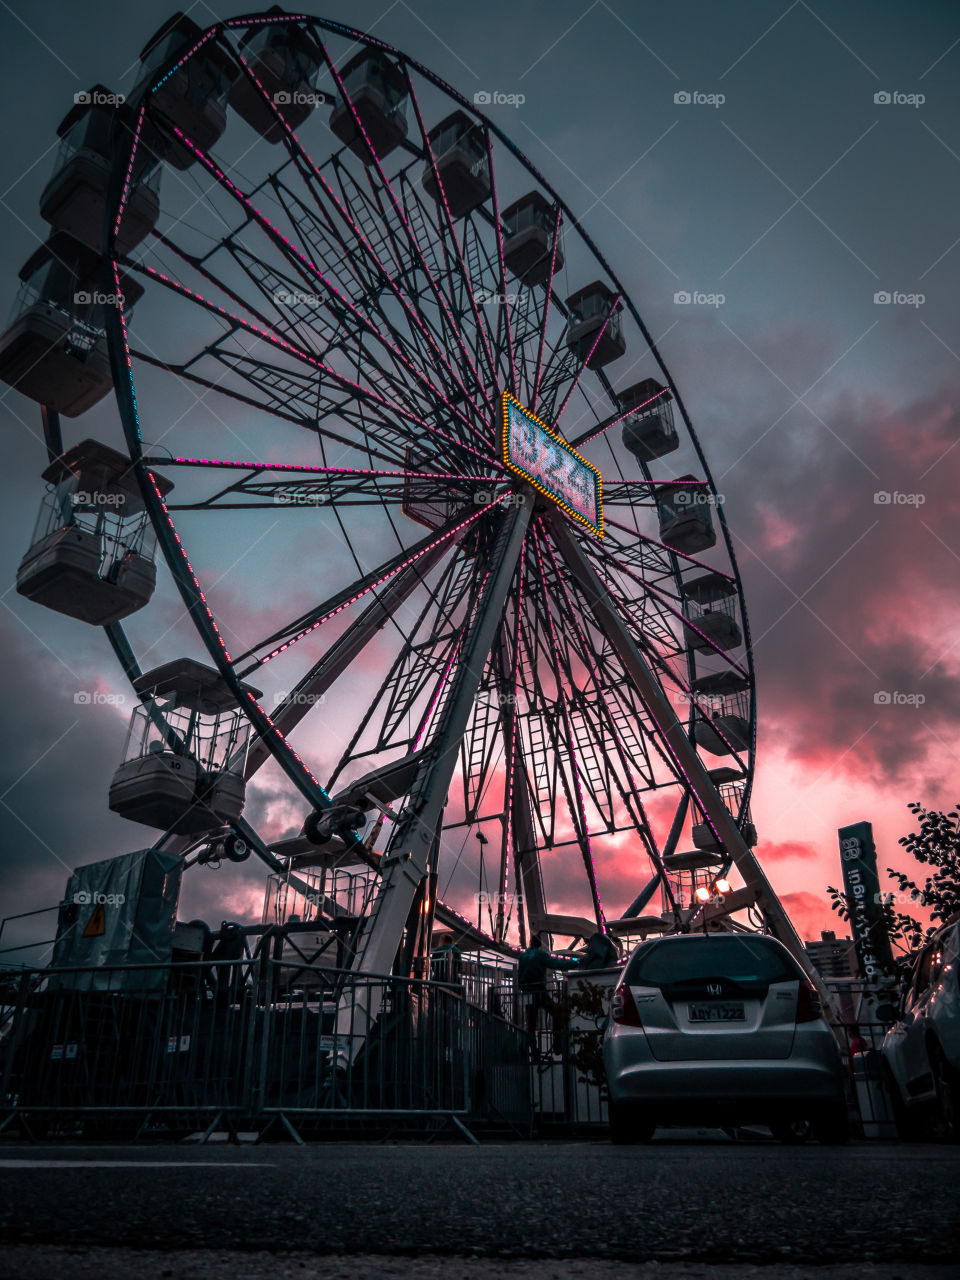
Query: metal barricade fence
(183, 1042)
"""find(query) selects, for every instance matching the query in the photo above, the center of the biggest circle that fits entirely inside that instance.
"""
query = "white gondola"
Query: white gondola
(528, 239)
(686, 522)
(378, 90)
(92, 553)
(186, 747)
(590, 335)
(710, 609)
(462, 163)
(285, 59)
(649, 432)
(723, 724)
(193, 97)
(75, 198)
(55, 350)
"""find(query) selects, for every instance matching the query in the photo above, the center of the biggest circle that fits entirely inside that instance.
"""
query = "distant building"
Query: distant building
(834, 957)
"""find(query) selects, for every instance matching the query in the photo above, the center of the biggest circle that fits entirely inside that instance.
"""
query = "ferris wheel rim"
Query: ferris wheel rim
(129, 411)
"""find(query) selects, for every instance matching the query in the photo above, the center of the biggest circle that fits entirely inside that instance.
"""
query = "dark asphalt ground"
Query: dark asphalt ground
(684, 1208)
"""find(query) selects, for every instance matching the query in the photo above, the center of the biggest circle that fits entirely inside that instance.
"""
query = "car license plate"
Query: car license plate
(729, 1011)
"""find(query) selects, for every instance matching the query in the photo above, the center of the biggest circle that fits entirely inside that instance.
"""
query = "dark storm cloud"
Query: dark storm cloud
(675, 199)
(850, 551)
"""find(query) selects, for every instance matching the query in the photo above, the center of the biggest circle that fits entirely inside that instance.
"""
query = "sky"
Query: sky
(799, 166)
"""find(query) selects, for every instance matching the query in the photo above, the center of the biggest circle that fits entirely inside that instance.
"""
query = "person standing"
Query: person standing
(532, 969)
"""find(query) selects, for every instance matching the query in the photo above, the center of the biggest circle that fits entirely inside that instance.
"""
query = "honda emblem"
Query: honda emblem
(714, 989)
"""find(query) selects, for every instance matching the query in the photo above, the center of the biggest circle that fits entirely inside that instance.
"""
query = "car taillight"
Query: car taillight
(623, 1008)
(809, 1008)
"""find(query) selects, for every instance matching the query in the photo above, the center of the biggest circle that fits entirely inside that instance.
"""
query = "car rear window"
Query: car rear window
(739, 959)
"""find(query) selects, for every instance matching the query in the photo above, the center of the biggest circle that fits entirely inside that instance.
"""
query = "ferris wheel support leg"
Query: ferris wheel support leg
(407, 858)
(684, 753)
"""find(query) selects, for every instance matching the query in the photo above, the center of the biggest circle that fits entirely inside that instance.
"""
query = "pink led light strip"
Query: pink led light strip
(605, 426)
(300, 354)
(275, 233)
(681, 617)
(331, 195)
(477, 319)
(586, 363)
(373, 585)
(438, 293)
(240, 465)
(653, 542)
(534, 398)
(504, 303)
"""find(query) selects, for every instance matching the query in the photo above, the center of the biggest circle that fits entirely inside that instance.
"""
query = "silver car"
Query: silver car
(723, 1029)
(921, 1051)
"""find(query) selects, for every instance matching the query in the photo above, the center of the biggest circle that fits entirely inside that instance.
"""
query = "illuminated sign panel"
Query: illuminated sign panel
(532, 450)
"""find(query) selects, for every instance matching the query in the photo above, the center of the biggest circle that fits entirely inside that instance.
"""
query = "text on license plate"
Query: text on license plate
(729, 1011)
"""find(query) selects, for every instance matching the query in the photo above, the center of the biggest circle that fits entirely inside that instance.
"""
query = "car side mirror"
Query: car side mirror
(602, 1022)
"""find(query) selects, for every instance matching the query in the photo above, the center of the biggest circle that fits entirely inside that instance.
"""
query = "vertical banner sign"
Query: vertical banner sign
(861, 884)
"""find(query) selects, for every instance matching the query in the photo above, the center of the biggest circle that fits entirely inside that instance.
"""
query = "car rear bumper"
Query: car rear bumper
(634, 1075)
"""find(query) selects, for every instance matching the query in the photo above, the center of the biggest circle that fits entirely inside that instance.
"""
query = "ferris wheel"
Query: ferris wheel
(454, 566)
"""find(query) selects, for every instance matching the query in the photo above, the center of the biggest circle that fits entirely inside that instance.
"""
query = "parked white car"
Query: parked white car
(722, 1029)
(921, 1051)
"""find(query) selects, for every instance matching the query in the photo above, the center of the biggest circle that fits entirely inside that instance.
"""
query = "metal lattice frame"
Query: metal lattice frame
(335, 296)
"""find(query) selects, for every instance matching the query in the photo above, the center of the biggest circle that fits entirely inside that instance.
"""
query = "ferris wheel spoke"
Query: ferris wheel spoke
(389, 410)
(310, 689)
(574, 793)
(447, 399)
(280, 641)
(504, 309)
(336, 300)
(382, 273)
(602, 427)
(630, 748)
(419, 660)
(614, 306)
(415, 247)
(447, 222)
(508, 688)
(673, 610)
(548, 293)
